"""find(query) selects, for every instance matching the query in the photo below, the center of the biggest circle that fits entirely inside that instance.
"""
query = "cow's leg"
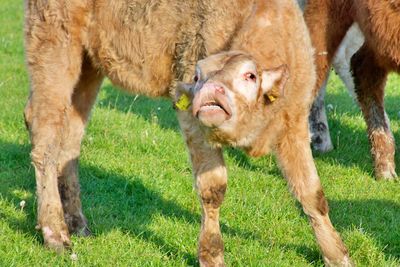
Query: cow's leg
(54, 60)
(321, 139)
(370, 80)
(83, 98)
(211, 181)
(328, 22)
(295, 159)
(341, 63)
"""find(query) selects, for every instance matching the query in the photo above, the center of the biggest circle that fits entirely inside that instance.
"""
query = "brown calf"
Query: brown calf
(238, 101)
(328, 22)
(147, 47)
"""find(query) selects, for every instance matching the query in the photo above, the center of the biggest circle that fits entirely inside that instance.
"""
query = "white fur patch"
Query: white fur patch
(264, 22)
(248, 89)
(269, 78)
(47, 231)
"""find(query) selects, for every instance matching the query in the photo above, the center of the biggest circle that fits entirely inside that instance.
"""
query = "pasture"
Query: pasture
(137, 193)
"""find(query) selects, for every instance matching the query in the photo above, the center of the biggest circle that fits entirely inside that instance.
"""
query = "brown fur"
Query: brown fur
(328, 21)
(147, 47)
(283, 130)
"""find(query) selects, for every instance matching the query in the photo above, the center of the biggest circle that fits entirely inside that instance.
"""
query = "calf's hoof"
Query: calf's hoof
(211, 251)
(345, 262)
(57, 241)
(215, 262)
(388, 173)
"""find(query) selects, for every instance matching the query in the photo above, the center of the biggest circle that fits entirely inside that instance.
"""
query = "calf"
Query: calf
(237, 100)
(328, 22)
(146, 47)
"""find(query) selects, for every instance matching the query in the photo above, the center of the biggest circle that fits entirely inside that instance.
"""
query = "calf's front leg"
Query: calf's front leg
(295, 159)
(211, 180)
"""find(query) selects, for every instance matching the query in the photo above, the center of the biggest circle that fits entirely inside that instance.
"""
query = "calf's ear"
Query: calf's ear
(183, 96)
(273, 82)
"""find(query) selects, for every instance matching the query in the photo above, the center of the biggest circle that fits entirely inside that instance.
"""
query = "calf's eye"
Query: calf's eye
(195, 78)
(249, 76)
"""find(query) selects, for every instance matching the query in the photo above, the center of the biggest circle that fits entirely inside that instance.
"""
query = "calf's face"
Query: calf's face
(231, 96)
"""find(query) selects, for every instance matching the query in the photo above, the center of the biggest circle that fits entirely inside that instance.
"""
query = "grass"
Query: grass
(137, 189)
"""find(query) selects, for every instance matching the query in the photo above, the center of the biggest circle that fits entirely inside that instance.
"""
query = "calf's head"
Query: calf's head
(231, 96)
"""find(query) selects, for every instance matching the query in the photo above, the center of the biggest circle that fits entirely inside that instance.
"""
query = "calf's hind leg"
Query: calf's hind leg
(370, 80)
(54, 65)
(77, 115)
(211, 180)
(295, 159)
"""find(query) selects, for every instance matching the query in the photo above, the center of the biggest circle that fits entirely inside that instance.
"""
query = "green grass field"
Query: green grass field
(137, 188)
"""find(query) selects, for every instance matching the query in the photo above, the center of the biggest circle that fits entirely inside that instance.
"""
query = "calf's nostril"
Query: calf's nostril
(220, 89)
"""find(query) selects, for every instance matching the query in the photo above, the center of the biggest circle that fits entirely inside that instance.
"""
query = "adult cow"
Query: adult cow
(328, 22)
(321, 139)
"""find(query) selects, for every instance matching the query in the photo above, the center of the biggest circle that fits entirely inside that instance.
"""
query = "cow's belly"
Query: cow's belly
(134, 43)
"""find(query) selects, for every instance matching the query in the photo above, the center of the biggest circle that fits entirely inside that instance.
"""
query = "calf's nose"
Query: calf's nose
(219, 89)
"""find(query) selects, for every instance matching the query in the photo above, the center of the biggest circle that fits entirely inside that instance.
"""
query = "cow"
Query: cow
(328, 22)
(149, 47)
(321, 139)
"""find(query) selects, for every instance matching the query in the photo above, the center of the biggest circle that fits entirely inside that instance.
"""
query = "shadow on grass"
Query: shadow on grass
(142, 106)
(378, 218)
(113, 201)
(124, 203)
(110, 201)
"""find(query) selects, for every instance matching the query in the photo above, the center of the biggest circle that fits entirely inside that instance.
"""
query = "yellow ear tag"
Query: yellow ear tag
(271, 98)
(183, 102)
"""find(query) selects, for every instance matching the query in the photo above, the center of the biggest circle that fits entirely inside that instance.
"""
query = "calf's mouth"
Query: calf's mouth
(211, 107)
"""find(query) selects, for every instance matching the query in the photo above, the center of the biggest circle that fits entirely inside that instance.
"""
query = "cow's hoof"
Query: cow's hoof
(320, 137)
(323, 147)
(83, 232)
(77, 224)
(321, 143)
